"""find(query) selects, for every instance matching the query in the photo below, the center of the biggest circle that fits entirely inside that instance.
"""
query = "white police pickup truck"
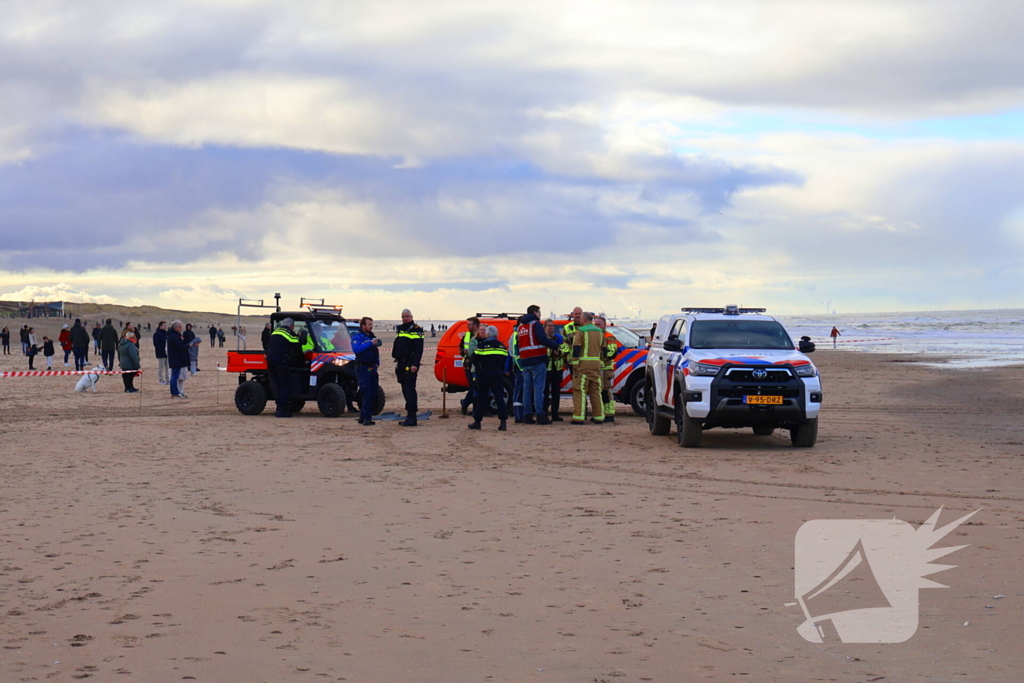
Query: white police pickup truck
(730, 367)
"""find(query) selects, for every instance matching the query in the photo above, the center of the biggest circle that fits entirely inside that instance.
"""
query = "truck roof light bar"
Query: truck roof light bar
(728, 310)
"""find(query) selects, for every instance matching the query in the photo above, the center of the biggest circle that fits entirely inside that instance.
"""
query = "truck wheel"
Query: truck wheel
(637, 396)
(250, 398)
(378, 406)
(688, 430)
(295, 405)
(658, 425)
(764, 431)
(331, 400)
(805, 435)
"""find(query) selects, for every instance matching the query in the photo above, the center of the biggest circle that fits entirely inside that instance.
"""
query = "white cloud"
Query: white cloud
(63, 292)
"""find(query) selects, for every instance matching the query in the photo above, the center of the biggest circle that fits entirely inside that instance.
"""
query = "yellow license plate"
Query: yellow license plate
(763, 400)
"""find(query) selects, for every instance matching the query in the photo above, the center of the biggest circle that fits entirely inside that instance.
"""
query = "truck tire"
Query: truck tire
(656, 424)
(764, 431)
(637, 394)
(805, 435)
(331, 400)
(296, 405)
(250, 398)
(688, 430)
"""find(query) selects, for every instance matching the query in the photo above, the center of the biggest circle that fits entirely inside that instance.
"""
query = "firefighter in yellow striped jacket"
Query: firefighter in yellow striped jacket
(608, 351)
(556, 366)
(587, 345)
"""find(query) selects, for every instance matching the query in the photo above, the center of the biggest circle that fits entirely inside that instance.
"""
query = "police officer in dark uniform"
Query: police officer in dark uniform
(284, 352)
(489, 362)
(365, 345)
(407, 352)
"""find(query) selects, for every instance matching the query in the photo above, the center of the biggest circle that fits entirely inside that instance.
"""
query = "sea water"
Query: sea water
(982, 338)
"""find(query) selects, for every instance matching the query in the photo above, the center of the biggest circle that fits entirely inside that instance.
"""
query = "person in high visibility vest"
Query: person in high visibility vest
(556, 366)
(586, 359)
(466, 348)
(517, 378)
(609, 349)
(408, 352)
(489, 364)
(284, 352)
(533, 345)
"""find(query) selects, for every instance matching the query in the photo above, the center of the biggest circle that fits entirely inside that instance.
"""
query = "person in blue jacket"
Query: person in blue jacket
(160, 347)
(366, 347)
(177, 358)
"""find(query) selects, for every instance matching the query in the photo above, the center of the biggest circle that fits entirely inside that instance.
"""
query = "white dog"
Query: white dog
(89, 381)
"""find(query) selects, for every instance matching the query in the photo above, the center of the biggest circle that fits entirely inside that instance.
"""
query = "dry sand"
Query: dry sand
(155, 540)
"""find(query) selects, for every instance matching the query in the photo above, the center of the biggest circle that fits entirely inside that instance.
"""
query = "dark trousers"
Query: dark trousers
(552, 392)
(129, 380)
(469, 399)
(213, 340)
(408, 381)
(67, 352)
(108, 359)
(283, 391)
(486, 387)
(80, 352)
(517, 396)
(366, 375)
(31, 360)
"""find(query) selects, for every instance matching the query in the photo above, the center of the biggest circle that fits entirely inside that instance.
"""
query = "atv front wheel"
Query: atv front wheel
(378, 405)
(250, 398)
(331, 400)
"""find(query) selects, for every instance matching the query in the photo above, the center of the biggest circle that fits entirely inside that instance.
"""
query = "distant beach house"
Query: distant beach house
(47, 309)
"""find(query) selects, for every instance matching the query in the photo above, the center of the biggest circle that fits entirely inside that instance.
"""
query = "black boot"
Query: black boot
(473, 425)
(502, 427)
(408, 422)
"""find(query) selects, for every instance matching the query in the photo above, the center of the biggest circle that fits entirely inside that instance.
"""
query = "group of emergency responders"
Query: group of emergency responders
(536, 357)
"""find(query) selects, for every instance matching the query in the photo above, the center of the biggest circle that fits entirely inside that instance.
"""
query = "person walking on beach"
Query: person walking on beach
(366, 347)
(79, 343)
(33, 349)
(95, 340)
(835, 334)
(220, 336)
(213, 335)
(177, 359)
(5, 340)
(65, 342)
(48, 352)
(108, 344)
(408, 352)
(23, 334)
(489, 359)
(128, 359)
(160, 347)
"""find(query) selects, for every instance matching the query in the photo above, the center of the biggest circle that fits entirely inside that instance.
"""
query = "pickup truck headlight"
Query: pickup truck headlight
(806, 370)
(703, 369)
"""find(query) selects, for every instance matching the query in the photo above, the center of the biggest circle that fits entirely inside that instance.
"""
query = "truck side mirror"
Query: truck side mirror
(303, 336)
(673, 345)
(806, 346)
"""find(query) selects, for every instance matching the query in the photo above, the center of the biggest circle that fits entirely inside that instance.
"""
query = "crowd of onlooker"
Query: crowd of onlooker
(176, 347)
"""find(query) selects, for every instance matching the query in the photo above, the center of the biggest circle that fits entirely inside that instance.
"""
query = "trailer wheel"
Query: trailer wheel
(331, 400)
(250, 398)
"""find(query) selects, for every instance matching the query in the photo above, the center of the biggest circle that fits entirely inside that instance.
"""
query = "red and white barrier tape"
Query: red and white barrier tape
(62, 373)
(852, 341)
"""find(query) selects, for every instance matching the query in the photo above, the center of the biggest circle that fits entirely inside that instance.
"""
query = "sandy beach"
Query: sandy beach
(155, 540)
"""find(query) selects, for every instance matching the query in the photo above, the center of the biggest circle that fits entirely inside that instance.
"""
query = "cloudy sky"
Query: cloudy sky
(461, 156)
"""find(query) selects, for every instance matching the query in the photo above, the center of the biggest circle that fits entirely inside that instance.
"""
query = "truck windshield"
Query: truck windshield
(739, 334)
(332, 336)
(628, 338)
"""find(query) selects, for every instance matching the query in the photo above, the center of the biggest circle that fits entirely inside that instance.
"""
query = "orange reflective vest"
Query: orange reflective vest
(529, 347)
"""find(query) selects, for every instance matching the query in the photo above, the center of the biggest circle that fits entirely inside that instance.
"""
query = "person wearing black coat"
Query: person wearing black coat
(109, 338)
(79, 343)
(177, 358)
(408, 352)
(160, 347)
(265, 337)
